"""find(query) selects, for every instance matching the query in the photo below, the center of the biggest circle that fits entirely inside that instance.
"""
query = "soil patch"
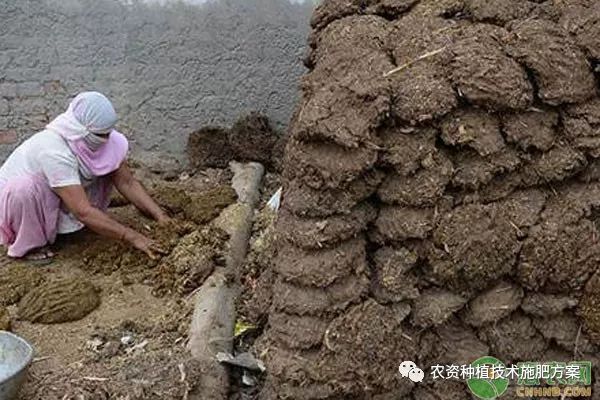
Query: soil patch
(132, 345)
(5, 322)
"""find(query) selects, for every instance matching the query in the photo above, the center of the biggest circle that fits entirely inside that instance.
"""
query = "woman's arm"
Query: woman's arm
(133, 191)
(76, 200)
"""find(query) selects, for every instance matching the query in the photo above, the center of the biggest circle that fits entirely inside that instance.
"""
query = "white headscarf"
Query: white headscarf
(91, 114)
(88, 114)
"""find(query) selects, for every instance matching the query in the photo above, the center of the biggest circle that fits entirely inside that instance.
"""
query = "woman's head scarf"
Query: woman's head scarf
(88, 127)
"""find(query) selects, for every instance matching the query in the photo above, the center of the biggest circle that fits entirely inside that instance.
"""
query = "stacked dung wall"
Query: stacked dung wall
(442, 212)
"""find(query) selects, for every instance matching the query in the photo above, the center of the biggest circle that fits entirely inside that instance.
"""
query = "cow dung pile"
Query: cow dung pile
(193, 246)
(61, 300)
(15, 281)
(251, 138)
(441, 196)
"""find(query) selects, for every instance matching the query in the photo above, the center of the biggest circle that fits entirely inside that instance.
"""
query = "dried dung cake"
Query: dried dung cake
(252, 139)
(61, 300)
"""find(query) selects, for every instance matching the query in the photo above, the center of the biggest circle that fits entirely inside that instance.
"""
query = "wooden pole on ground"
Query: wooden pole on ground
(213, 321)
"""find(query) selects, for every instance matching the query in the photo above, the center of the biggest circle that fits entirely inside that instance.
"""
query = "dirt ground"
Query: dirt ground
(112, 352)
(85, 357)
(105, 321)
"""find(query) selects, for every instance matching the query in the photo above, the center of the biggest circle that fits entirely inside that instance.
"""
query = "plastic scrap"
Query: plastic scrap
(275, 200)
(242, 327)
(242, 360)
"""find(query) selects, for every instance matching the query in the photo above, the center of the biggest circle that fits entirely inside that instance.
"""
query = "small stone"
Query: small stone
(94, 344)
(127, 340)
(111, 349)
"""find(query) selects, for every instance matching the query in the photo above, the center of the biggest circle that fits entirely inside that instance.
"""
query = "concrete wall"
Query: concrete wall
(169, 66)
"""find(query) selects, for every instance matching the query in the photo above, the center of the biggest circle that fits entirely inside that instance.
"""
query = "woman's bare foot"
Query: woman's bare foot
(40, 256)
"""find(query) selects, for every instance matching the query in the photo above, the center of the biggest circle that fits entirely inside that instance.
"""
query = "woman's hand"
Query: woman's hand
(135, 192)
(164, 219)
(75, 198)
(148, 246)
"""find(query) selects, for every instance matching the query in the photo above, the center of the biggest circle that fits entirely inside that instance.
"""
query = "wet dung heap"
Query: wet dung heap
(192, 261)
(251, 138)
(15, 281)
(108, 256)
(441, 184)
(193, 246)
(257, 274)
(199, 208)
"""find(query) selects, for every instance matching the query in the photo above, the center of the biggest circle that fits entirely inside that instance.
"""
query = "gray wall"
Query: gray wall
(169, 66)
